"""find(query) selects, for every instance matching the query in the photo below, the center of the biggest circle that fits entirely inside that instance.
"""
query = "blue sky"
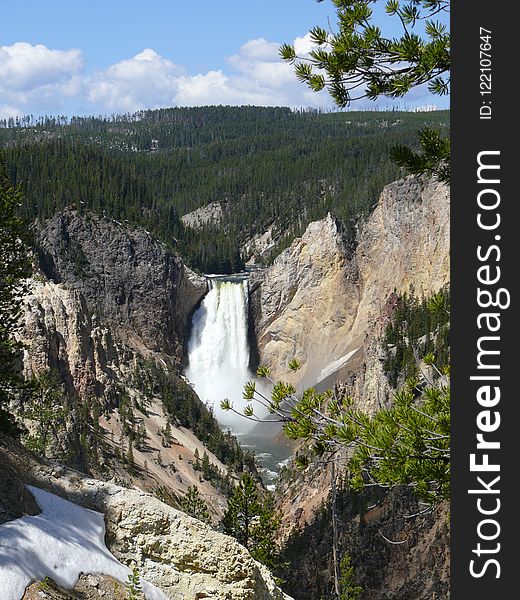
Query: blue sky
(93, 57)
(198, 35)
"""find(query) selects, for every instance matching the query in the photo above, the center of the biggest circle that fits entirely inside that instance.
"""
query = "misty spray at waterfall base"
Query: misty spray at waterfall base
(218, 368)
(218, 350)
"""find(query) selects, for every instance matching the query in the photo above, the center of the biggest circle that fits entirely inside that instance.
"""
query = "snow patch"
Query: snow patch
(62, 542)
(334, 366)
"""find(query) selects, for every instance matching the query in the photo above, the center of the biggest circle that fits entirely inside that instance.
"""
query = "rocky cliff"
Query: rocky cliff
(102, 295)
(321, 295)
(107, 311)
(131, 283)
(180, 555)
(326, 300)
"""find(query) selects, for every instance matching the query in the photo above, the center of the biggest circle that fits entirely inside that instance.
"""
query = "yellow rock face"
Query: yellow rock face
(318, 300)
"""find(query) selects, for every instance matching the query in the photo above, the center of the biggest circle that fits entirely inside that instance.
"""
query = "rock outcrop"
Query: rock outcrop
(258, 248)
(131, 283)
(296, 304)
(62, 334)
(211, 214)
(15, 500)
(180, 555)
(321, 295)
(88, 587)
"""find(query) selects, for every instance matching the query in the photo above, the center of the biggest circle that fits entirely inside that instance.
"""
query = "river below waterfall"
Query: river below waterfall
(271, 454)
(218, 368)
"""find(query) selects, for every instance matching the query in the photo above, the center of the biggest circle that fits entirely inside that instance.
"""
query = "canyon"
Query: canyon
(106, 300)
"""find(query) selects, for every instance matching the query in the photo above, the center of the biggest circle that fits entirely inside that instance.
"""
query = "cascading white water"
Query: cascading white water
(218, 350)
(218, 368)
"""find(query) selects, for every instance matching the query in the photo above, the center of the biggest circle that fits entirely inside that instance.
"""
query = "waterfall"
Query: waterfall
(218, 350)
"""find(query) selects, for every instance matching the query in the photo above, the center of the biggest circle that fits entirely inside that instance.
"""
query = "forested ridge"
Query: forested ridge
(266, 166)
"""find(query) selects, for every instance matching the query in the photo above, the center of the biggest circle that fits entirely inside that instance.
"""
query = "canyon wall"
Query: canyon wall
(326, 302)
(104, 303)
(321, 296)
(103, 295)
(129, 280)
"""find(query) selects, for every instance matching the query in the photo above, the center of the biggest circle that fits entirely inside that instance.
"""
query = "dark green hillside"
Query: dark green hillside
(266, 165)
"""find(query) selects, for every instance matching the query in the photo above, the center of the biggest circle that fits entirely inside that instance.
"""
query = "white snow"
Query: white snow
(62, 542)
(334, 366)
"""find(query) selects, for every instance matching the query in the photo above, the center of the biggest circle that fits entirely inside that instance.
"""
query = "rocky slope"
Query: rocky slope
(211, 214)
(105, 302)
(258, 248)
(180, 555)
(398, 551)
(321, 295)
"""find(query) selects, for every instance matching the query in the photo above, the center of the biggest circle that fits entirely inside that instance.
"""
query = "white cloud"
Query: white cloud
(258, 61)
(303, 45)
(36, 78)
(260, 49)
(148, 80)
(258, 76)
(145, 81)
(24, 67)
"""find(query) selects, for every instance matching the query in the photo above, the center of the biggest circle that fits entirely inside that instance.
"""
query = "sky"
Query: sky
(81, 57)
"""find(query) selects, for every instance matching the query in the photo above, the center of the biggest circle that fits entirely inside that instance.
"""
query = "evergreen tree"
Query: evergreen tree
(130, 461)
(263, 534)
(243, 509)
(359, 61)
(416, 328)
(194, 505)
(252, 521)
(140, 435)
(348, 588)
(45, 407)
(206, 466)
(196, 455)
(167, 434)
(406, 444)
(14, 266)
